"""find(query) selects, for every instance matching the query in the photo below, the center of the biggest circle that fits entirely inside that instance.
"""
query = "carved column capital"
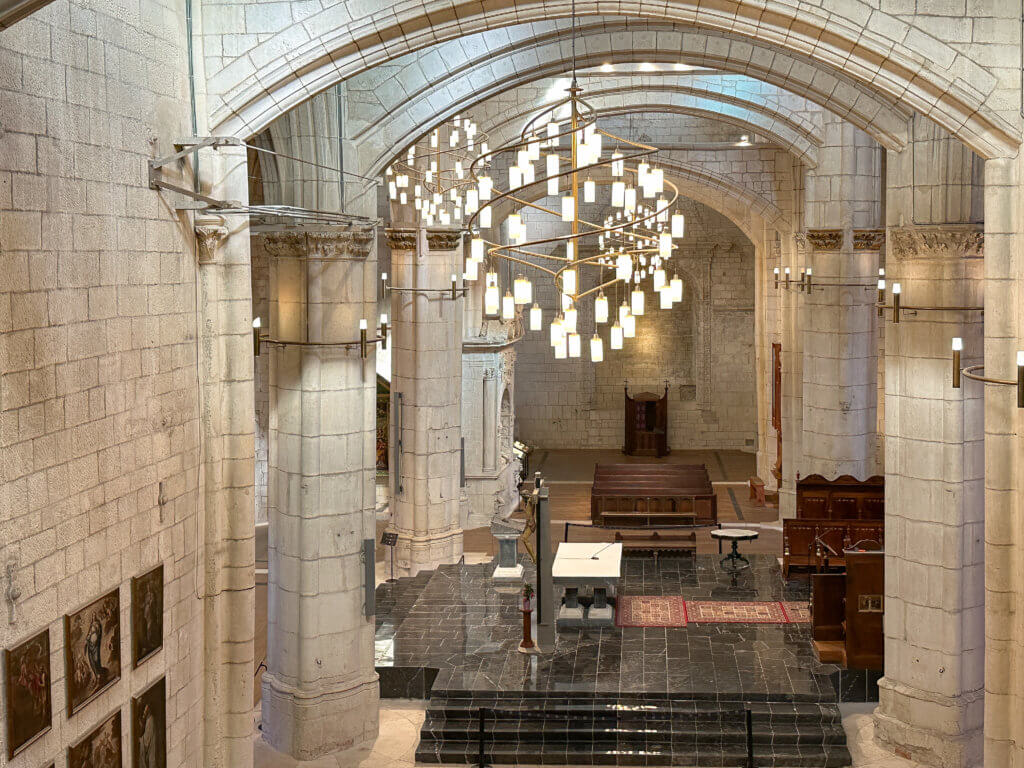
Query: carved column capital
(444, 239)
(825, 239)
(962, 241)
(401, 238)
(209, 234)
(868, 239)
(324, 243)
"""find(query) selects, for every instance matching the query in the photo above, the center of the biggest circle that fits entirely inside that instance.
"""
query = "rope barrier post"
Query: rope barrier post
(750, 738)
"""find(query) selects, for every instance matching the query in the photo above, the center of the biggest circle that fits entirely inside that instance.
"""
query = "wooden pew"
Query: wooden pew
(656, 543)
(845, 498)
(820, 544)
(652, 495)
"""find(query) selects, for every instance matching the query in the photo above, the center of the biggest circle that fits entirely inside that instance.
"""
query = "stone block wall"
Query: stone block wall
(99, 401)
(704, 347)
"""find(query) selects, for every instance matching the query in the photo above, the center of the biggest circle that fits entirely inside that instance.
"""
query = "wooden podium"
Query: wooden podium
(646, 424)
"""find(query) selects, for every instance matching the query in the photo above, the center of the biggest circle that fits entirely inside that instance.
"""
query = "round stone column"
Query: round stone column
(320, 690)
(792, 304)
(930, 705)
(840, 362)
(426, 387)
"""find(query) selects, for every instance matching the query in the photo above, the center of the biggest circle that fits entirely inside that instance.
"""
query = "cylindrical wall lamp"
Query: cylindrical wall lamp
(881, 294)
(363, 347)
(1020, 379)
(256, 323)
(776, 273)
(958, 345)
(383, 331)
(455, 288)
(787, 278)
(896, 290)
(384, 285)
(807, 280)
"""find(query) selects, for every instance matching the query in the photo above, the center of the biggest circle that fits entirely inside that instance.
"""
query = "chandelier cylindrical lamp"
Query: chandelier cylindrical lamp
(453, 178)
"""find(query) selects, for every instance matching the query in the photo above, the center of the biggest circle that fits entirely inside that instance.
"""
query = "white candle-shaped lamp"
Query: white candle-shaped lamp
(536, 318)
(958, 345)
(596, 349)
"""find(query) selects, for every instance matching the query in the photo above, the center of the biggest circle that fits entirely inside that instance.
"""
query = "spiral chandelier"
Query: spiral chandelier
(452, 183)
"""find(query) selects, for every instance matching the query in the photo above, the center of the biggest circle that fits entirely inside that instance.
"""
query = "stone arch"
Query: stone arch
(945, 84)
(748, 118)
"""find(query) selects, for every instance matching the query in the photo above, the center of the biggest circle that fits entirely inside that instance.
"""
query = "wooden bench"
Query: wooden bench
(656, 543)
(652, 495)
(820, 543)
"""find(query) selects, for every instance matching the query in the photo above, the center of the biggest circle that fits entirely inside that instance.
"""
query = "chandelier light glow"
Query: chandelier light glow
(455, 181)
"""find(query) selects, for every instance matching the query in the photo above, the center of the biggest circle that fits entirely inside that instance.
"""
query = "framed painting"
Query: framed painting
(147, 615)
(92, 650)
(149, 727)
(99, 749)
(27, 686)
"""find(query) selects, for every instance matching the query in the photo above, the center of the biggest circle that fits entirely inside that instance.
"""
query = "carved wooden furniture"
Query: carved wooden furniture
(653, 542)
(757, 491)
(845, 498)
(652, 496)
(734, 562)
(847, 610)
(646, 424)
(820, 544)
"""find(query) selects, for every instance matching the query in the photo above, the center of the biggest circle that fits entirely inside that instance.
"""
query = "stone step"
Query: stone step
(650, 755)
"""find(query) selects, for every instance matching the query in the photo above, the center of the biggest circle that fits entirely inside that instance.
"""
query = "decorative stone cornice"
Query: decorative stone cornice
(208, 237)
(317, 244)
(868, 239)
(825, 239)
(401, 238)
(444, 239)
(966, 241)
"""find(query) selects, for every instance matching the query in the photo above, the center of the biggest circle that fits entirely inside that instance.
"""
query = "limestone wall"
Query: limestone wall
(98, 396)
(703, 346)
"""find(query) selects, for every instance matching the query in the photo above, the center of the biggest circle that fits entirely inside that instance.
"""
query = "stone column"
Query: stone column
(226, 482)
(489, 430)
(793, 254)
(931, 696)
(1004, 467)
(840, 365)
(426, 371)
(320, 691)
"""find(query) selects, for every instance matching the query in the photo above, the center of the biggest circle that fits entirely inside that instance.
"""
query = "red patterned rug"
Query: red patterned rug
(797, 613)
(730, 611)
(650, 611)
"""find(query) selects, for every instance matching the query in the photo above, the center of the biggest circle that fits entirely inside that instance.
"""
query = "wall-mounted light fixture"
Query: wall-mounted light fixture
(977, 373)
(256, 323)
(787, 278)
(897, 289)
(776, 273)
(383, 331)
(881, 291)
(807, 280)
(958, 345)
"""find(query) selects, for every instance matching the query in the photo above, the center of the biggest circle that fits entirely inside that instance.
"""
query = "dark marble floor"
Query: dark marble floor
(456, 620)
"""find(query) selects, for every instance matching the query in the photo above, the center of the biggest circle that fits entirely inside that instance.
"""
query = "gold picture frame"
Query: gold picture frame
(147, 615)
(92, 650)
(27, 688)
(101, 747)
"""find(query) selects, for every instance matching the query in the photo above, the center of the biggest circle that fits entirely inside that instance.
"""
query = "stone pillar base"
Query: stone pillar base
(943, 743)
(308, 726)
(428, 552)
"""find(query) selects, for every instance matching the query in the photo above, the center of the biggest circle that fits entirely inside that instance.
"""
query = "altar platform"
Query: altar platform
(651, 695)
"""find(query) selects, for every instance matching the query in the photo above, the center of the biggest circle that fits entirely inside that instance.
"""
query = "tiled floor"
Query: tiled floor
(458, 621)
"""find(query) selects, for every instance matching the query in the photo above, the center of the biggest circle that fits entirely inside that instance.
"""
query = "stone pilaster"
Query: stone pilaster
(426, 371)
(1004, 467)
(226, 483)
(793, 253)
(320, 691)
(840, 354)
(931, 696)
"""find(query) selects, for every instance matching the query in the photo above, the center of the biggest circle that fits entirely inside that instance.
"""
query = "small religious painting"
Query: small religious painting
(149, 727)
(27, 683)
(101, 748)
(92, 650)
(147, 615)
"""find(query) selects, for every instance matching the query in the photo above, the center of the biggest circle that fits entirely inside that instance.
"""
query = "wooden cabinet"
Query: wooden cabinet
(646, 424)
